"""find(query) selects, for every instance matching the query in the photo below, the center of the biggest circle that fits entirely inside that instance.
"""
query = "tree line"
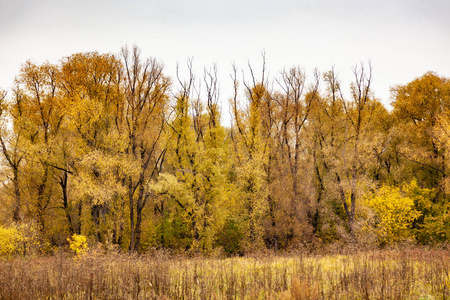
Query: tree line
(109, 147)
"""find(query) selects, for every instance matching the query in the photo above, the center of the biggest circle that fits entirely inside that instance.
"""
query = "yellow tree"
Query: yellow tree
(145, 90)
(417, 106)
(38, 122)
(421, 147)
(213, 187)
(13, 156)
(188, 160)
(91, 148)
(114, 117)
(251, 143)
(198, 157)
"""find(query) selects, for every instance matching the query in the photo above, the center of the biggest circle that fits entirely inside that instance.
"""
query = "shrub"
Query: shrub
(18, 239)
(395, 214)
(10, 241)
(230, 237)
(433, 226)
(78, 243)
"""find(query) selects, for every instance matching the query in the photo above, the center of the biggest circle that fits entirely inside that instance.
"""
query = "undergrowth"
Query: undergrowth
(388, 274)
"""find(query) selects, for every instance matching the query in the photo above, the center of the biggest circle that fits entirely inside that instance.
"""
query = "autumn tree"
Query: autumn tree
(145, 90)
(291, 113)
(36, 119)
(105, 146)
(421, 111)
(417, 107)
(91, 160)
(355, 116)
(349, 138)
(13, 156)
(198, 157)
(214, 165)
(251, 143)
(182, 162)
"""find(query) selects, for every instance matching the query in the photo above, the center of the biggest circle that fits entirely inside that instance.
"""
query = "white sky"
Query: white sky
(403, 39)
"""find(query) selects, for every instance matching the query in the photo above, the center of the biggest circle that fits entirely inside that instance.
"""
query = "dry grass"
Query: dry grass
(396, 274)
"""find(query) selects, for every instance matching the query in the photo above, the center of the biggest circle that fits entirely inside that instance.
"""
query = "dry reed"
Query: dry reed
(395, 274)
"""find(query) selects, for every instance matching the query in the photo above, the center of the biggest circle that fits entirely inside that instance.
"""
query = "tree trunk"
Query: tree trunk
(16, 213)
(65, 198)
(137, 228)
(131, 203)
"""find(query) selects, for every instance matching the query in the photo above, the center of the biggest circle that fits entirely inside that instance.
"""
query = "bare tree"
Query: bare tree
(295, 108)
(360, 97)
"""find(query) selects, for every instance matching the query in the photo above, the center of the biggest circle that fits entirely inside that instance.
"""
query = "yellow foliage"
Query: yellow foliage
(421, 196)
(442, 133)
(18, 239)
(78, 243)
(395, 214)
(10, 239)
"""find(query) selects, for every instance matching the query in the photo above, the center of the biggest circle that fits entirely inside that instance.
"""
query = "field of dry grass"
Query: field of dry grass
(388, 274)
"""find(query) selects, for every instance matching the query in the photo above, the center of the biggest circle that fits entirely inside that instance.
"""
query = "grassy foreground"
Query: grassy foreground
(393, 274)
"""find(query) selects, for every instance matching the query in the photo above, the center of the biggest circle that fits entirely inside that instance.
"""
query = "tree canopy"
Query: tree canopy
(109, 147)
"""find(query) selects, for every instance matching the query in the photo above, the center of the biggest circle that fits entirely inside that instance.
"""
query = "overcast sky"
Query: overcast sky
(403, 39)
